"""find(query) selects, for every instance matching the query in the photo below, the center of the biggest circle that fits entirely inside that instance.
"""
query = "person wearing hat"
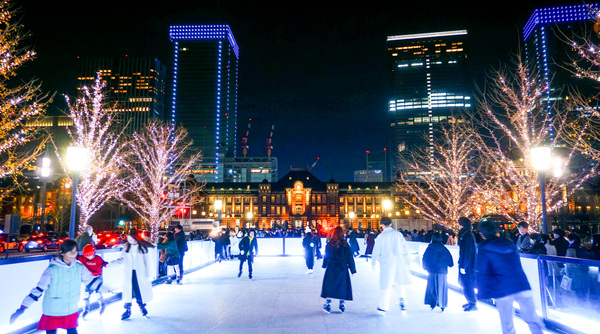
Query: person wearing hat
(94, 263)
(391, 251)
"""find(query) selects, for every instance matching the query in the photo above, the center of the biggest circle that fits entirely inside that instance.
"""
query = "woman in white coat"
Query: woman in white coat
(136, 272)
(234, 244)
(391, 251)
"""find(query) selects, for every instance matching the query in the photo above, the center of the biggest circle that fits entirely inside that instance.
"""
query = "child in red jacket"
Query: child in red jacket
(94, 264)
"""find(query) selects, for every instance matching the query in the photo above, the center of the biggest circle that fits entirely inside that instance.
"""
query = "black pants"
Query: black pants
(243, 259)
(135, 289)
(181, 263)
(468, 283)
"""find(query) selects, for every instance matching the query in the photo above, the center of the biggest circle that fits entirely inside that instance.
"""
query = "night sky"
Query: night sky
(318, 72)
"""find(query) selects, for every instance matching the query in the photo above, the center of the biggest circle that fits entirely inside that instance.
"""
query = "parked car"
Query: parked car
(109, 239)
(44, 241)
(8, 242)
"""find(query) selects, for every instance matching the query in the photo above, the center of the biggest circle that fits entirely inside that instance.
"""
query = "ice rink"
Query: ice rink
(283, 298)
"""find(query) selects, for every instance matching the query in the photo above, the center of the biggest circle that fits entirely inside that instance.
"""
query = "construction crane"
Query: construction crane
(245, 139)
(269, 146)
(313, 165)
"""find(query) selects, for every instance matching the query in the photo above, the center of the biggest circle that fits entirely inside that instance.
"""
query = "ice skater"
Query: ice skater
(170, 246)
(61, 286)
(467, 250)
(436, 260)
(309, 250)
(136, 271)
(391, 251)
(338, 261)
(247, 246)
(94, 263)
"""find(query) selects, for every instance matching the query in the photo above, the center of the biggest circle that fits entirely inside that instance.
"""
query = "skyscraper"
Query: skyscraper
(135, 86)
(205, 91)
(429, 81)
(546, 35)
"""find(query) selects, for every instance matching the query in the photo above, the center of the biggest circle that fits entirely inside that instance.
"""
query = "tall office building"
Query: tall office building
(546, 36)
(135, 86)
(205, 91)
(429, 81)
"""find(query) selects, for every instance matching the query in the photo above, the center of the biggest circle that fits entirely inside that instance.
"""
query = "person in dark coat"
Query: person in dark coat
(338, 260)
(354, 244)
(466, 263)
(309, 251)
(182, 247)
(436, 260)
(560, 243)
(317, 238)
(500, 276)
(370, 240)
(248, 250)
(537, 245)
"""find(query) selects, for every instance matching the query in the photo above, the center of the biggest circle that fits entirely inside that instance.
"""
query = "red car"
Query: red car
(8, 242)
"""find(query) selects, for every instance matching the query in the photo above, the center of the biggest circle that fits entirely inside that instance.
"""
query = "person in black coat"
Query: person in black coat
(317, 238)
(179, 236)
(370, 240)
(560, 243)
(309, 251)
(500, 276)
(466, 263)
(247, 246)
(354, 243)
(338, 260)
(436, 260)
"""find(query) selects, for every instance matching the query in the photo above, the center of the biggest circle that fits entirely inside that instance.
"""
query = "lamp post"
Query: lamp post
(218, 207)
(542, 162)
(77, 159)
(45, 173)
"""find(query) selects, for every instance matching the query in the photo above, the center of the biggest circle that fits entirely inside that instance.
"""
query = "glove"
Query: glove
(463, 271)
(17, 314)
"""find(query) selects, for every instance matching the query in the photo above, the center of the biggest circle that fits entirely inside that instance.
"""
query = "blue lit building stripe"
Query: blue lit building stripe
(209, 32)
(559, 14)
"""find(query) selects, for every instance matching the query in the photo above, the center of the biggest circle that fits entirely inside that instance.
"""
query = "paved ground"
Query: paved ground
(283, 298)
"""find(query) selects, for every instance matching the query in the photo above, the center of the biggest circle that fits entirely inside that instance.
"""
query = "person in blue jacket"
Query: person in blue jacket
(61, 286)
(500, 276)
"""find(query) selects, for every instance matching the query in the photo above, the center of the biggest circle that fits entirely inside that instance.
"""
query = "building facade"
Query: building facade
(299, 199)
(135, 87)
(205, 91)
(429, 81)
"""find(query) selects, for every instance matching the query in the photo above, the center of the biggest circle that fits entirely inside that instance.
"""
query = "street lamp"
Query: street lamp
(542, 161)
(45, 173)
(218, 207)
(77, 160)
(387, 206)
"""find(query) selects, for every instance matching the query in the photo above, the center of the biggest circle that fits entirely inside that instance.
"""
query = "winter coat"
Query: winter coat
(171, 247)
(523, 242)
(235, 244)
(181, 242)
(246, 247)
(353, 243)
(561, 245)
(370, 243)
(437, 259)
(82, 240)
(336, 281)
(467, 252)
(309, 250)
(140, 262)
(61, 285)
(391, 251)
(499, 270)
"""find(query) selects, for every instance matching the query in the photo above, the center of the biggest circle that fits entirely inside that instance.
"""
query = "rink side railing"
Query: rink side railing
(576, 310)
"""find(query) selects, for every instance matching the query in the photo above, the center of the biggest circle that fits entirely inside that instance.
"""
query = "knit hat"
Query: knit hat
(89, 250)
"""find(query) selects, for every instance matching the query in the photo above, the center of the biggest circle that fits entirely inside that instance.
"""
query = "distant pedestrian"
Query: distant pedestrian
(136, 272)
(94, 263)
(466, 263)
(338, 261)
(436, 260)
(61, 286)
(179, 237)
(318, 244)
(234, 244)
(524, 240)
(352, 240)
(85, 238)
(370, 241)
(560, 242)
(309, 251)
(391, 251)
(248, 250)
(500, 276)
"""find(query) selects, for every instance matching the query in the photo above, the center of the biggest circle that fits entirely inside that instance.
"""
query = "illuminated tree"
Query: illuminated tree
(515, 117)
(93, 123)
(158, 166)
(439, 180)
(21, 141)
